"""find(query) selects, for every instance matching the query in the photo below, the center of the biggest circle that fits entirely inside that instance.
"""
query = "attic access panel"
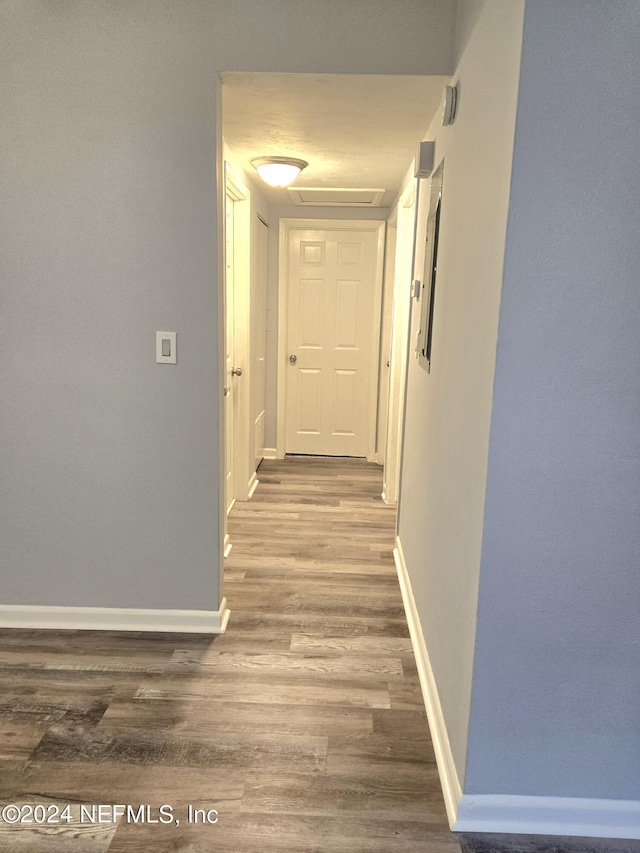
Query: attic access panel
(335, 197)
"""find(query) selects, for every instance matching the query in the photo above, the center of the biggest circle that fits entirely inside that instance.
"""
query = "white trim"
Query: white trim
(239, 193)
(384, 343)
(502, 813)
(227, 545)
(253, 485)
(376, 334)
(451, 787)
(399, 343)
(220, 347)
(281, 397)
(233, 185)
(589, 818)
(287, 225)
(269, 453)
(115, 619)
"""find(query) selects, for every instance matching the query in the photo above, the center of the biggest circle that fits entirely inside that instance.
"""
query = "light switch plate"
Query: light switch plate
(165, 347)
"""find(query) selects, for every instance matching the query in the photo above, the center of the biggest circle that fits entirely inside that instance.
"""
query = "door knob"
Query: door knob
(236, 371)
(293, 359)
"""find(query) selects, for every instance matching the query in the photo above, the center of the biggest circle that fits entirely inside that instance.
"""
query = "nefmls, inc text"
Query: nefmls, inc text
(143, 814)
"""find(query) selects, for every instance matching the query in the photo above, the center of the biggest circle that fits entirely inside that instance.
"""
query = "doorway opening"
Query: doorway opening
(355, 132)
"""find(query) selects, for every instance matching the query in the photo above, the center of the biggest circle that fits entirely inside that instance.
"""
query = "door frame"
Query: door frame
(286, 227)
(400, 343)
(230, 404)
(236, 190)
(386, 322)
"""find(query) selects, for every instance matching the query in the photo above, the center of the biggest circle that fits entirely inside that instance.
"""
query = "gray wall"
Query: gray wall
(448, 410)
(108, 460)
(110, 463)
(557, 669)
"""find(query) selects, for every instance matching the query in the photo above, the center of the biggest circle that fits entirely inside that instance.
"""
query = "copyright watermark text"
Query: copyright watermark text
(52, 814)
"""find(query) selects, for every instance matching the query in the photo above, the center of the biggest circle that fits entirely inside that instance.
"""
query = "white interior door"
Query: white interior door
(230, 424)
(332, 334)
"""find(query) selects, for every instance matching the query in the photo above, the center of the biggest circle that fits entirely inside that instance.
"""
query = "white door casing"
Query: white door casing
(329, 324)
(399, 345)
(230, 407)
(259, 337)
(237, 402)
(385, 337)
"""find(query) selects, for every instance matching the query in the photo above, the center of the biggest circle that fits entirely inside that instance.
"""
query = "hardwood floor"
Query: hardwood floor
(303, 726)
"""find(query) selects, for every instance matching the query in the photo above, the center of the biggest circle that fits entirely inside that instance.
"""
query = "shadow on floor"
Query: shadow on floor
(490, 843)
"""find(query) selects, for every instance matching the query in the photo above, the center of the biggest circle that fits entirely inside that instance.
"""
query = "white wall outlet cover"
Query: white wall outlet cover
(166, 347)
(450, 105)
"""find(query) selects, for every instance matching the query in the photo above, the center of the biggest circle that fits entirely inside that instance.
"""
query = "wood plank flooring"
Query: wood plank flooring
(303, 726)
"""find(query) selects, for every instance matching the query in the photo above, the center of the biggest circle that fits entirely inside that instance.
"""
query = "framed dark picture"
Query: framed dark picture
(429, 276)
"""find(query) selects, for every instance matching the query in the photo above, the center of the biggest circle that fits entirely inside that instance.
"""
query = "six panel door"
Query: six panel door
(331, 293)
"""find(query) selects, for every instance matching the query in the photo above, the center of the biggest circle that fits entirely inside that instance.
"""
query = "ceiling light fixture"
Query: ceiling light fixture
(279, 171)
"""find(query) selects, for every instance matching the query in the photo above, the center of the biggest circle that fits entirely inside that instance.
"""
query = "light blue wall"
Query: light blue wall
(109, 461)
(557, 667)
(108, 233)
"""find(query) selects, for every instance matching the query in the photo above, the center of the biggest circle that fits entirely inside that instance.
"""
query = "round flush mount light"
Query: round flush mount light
(279, 171)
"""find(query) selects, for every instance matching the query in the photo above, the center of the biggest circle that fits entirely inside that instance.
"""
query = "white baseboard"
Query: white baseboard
(253, 485)
(451, 788)
(590, 818)
(269, 453)
(227, 546)
(115, 619)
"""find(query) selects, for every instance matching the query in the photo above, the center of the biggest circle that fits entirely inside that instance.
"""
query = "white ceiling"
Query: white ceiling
(354, 130)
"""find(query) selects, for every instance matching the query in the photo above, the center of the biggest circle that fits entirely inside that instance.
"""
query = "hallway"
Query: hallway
(318, 620)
